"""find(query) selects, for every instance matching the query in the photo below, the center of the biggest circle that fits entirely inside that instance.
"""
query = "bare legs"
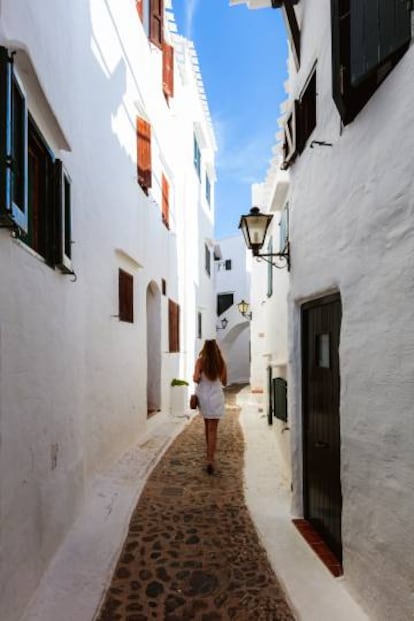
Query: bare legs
(210, 427)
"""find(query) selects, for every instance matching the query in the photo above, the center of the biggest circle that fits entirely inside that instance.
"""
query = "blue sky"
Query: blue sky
(242, 55)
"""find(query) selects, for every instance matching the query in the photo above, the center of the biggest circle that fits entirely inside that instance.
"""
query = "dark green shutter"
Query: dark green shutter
(4, 112)
(280, 398)
(270, 271)
(56, 215)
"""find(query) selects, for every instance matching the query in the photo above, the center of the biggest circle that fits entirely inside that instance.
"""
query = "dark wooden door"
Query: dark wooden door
(321, 321)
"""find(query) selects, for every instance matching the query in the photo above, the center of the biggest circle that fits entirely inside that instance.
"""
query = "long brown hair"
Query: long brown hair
(212, 361)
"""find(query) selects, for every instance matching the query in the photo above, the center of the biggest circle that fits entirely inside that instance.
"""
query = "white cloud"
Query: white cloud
(191, 7)
(245, 159)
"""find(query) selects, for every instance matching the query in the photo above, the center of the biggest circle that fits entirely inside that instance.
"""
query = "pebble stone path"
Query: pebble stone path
(192, 552)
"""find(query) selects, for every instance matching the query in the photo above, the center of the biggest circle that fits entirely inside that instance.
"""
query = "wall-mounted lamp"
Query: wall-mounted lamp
(243, 307)
(224, 322)
(254, 226)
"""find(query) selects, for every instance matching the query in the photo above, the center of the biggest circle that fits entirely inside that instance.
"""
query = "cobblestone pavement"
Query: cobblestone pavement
(192, 552)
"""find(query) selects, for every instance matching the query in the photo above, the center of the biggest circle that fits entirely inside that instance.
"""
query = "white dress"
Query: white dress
(211, 397)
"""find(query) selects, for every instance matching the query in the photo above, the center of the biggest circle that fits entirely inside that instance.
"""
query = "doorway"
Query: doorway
(153, 348)
(321, 323)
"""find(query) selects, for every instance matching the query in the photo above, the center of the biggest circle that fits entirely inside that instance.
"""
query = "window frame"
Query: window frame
(48, 226)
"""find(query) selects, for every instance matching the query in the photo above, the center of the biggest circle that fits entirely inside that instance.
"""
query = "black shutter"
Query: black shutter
(56, 215)
(364, 38)
(395, 26)
(4, 110)
(280, 398)
(379, 28)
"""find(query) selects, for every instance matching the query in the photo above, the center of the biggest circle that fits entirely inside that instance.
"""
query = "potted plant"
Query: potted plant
(179, 396)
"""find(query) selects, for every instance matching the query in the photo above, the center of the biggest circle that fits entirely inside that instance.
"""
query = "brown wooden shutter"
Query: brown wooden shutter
(168, 70)
(173, 326)
(144, 168)
(165, 202)
(157, 22)
(139, 5)
(126, 296)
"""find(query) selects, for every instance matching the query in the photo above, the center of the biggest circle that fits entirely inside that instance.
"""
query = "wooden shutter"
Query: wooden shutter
(126, 296)
(168, 70)
(165, 202)
(173, 326)
(61, 218)
(395, 26)
(293, 30)
(144, 168)
(140, 7)
(4, 112)
(156, 22)
(379, 28)
(364, 38)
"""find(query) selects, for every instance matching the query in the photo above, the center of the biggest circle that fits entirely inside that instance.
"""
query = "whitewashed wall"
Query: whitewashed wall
(73, 379)
(352, 230)
(269, 304)
(234, 339)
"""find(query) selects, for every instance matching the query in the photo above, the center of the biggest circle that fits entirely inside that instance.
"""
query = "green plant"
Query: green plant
(179, 382)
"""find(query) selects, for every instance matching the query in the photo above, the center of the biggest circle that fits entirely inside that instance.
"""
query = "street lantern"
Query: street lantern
(254, 226)
(243, 307)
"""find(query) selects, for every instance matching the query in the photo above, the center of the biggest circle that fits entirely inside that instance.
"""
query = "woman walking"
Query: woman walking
(210, 375)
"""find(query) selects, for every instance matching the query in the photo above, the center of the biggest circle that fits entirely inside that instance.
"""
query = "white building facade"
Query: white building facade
(350, 343)
(107, 152)
(232, 270)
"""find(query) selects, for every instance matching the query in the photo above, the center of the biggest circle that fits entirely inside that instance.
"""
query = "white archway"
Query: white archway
(153, 348)
(236, 349)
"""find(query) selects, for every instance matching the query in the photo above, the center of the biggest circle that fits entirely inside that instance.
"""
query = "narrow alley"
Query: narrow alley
(192, 551)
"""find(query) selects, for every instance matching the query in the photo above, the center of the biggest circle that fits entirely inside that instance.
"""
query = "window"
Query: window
(306, 121)
(168, 70)
(289, 150)
(197, 157)
(368, 39)
(165, 202)
(151, 13)
(300, 123)
(270, 270)
(208, 190)
(293, 30)
(144, 166)
(223, 265)
(207, 259)
(35, 189)
(224, 301)
(199, 325)
(126, 296)
(173, 326)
